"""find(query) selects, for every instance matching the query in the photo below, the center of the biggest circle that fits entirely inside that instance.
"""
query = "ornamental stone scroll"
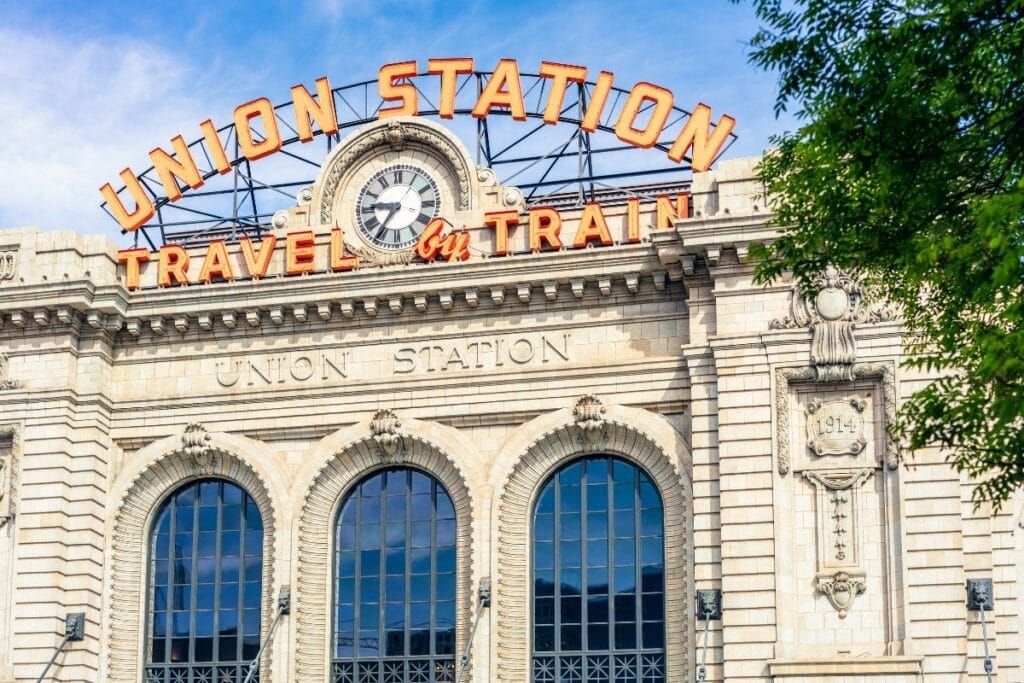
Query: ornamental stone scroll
(832, 314)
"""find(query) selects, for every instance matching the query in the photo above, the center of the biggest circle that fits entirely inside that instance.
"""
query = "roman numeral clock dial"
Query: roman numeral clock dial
(395, 205)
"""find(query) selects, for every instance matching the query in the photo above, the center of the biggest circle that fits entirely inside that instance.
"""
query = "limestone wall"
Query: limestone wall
(705, 378)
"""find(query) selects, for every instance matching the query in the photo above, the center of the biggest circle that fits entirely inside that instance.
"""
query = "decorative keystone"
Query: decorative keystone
(384, 426)
(589, 415)
(195, 443)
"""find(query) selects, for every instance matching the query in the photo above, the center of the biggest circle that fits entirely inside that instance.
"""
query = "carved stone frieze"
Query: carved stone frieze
(5, 375)
(589, 415)
(832, 314)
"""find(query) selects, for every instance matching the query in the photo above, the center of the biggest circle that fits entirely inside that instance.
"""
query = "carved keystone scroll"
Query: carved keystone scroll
(384, 426)
(589, 415)
(831, 315)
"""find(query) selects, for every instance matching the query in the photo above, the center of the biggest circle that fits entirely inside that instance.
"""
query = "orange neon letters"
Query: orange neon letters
(449, 70)
(695, 134)
(648, 135)
(298, 251)
(172, 266)
(251, 147)
(257, 262)
(132, 258)
(592, 227)
(392, 92)
(181, 165)
(561, 75)
(143, 204)
(504, 89)
(338, 259)
(216, 263)
(308, 110)
(501, 220)
(545, 224)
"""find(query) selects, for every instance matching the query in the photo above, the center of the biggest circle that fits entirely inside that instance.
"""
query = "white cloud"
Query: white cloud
(74, 115)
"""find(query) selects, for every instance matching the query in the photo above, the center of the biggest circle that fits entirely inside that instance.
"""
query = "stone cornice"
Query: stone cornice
(366, 292)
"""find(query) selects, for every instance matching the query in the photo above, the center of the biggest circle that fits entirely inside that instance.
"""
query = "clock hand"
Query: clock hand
(384, 224)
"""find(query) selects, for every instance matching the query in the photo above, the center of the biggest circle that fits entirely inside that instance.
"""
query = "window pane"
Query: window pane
(403, 603)
(597, 532)
(195, 555)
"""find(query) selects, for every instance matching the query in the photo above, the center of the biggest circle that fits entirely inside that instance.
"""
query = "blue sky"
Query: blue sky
(89, 88)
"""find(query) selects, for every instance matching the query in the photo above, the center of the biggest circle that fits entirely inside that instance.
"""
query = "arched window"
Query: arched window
(394, 589)
(598, 575)
(205, 585)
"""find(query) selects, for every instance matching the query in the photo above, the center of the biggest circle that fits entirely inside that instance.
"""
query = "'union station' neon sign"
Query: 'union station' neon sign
(503, 90)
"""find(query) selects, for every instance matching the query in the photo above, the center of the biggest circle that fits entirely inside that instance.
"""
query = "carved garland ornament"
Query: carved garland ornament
(832, 315)
(533, 466)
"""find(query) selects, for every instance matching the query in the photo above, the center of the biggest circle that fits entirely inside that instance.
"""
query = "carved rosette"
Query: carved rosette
(5, 375)
(195, 443)
(589, 416)
(832, 315)
(384, 428)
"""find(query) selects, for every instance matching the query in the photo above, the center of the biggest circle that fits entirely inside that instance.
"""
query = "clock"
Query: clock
(394, 206)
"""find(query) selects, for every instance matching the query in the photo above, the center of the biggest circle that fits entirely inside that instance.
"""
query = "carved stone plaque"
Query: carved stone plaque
(836, 426)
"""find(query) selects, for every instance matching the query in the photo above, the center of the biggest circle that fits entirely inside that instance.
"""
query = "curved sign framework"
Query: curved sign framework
(181, 196)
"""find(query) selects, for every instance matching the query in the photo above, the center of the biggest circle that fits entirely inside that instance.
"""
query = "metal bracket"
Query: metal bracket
(979, 595)
(284, 600)
(74, 626)
(485, 592)
(709, 604)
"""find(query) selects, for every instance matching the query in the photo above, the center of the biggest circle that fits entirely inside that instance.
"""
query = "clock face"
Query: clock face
(395, 205)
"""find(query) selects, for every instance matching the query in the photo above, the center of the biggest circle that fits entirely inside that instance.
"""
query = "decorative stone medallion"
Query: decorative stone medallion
(836, 427)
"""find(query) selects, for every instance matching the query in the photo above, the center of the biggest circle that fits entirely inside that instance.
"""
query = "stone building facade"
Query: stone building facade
(757, 413)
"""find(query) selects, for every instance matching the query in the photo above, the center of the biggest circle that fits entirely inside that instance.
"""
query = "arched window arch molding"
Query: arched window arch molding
(147, 478)
(527, 459)
(340, 461)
